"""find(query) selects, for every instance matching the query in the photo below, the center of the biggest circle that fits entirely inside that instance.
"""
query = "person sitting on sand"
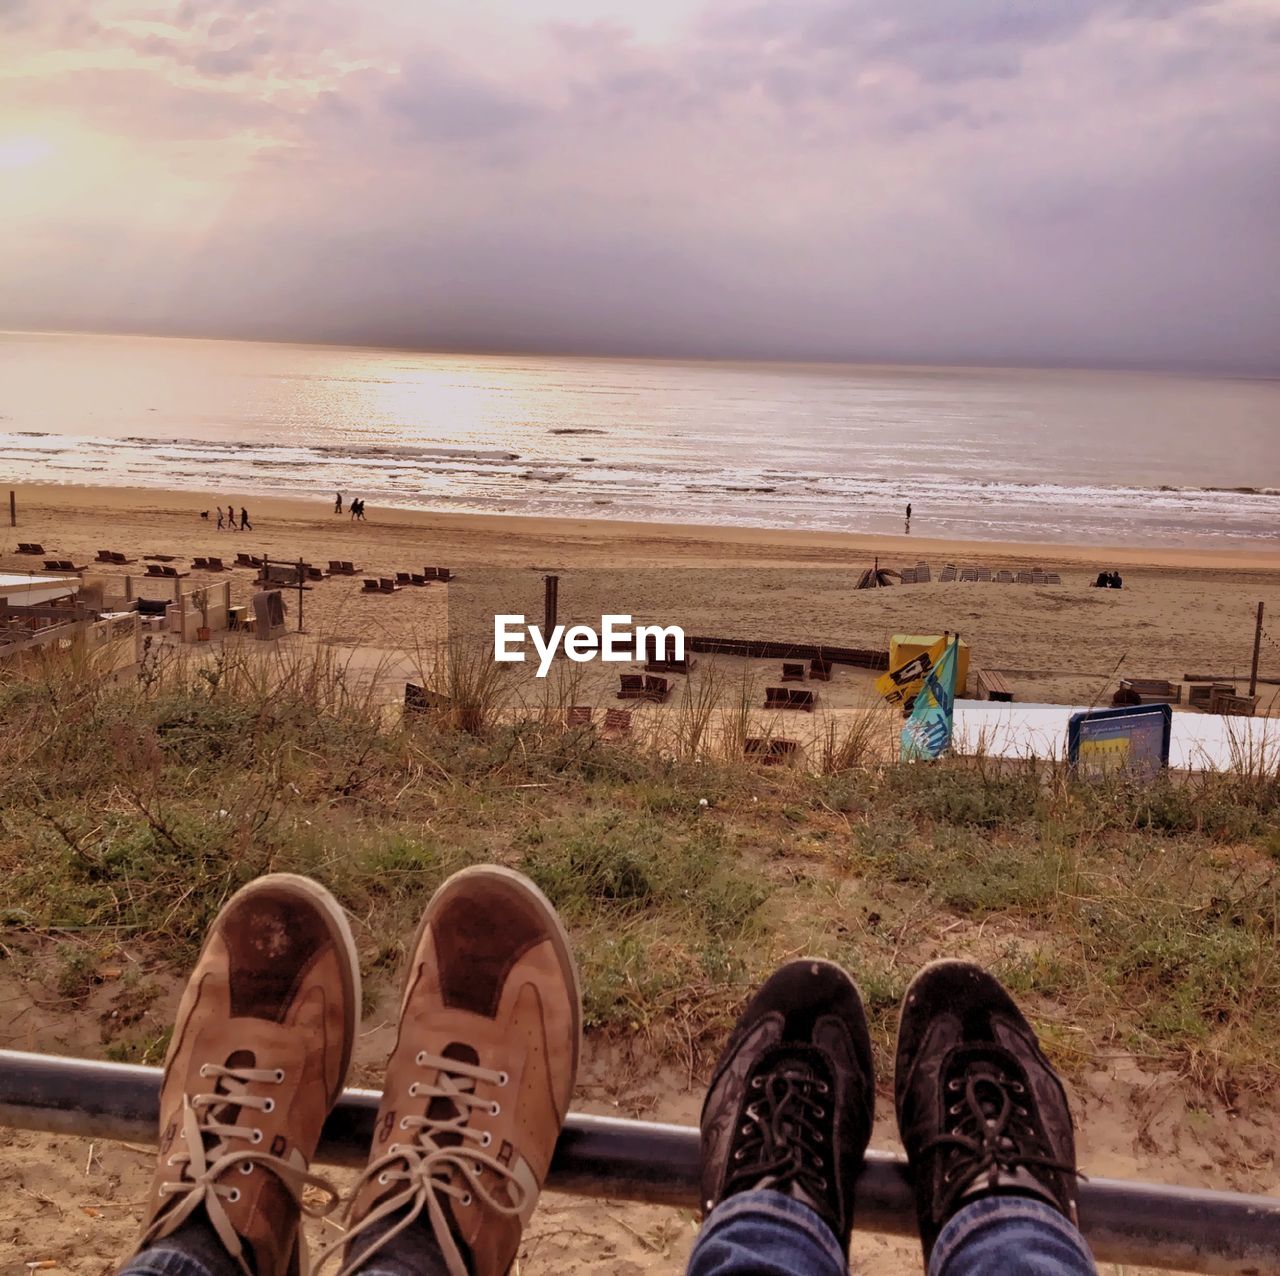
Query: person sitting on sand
(1103, 581)
(1116, 582)
(479, 1083)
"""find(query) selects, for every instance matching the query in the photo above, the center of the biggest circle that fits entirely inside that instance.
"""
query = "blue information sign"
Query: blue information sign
(1132, 739)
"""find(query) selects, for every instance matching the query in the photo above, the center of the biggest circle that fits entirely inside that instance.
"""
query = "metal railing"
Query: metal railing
(1182, 1229)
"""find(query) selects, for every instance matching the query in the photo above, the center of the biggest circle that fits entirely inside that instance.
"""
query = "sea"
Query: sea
(1000, 454)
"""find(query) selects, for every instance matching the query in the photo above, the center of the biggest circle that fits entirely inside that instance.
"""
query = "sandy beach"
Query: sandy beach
(1182, 611)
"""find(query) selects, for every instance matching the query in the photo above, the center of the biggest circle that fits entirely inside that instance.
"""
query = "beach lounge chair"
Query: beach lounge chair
(336, 567)
(30, 547)
(792, 672)
(200, 564)
(617, 723)
(216, 565)
(1039, 578)
(371, 587)
(579, 715)
(437, 573)
(923, 574)
(1153, 690)
(1004, 577)
(173, 573)
(819, 669)
(418, 579)
(386, 585)
(991, 686)
(656, 689)
(968, 574)
(403, 578)
(948, 572)
(155, 569)
(314, 573)
(631, 686)
(1023, 578)
(1052, 578)
(244, 560)
(349, 570)
(160, 558)
(908, 575)
(984, 574)
(105, 556)
(789, 698)
(771, 751)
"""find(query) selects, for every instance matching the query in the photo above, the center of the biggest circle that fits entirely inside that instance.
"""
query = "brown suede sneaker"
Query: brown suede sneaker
(479, 1083)
(259, 1055)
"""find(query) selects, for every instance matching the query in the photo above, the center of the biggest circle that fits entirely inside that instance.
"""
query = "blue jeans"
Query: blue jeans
(768, 1234)
(764, 1234)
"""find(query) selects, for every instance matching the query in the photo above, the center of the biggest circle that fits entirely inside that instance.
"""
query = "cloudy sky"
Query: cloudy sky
(1056, 181)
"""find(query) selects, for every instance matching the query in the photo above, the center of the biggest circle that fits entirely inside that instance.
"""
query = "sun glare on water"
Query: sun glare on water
(19, 152)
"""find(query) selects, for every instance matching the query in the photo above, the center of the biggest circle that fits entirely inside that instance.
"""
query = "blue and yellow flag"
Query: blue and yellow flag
(927, 734)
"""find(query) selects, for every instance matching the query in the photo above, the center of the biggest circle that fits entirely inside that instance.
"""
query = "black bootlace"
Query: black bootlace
(990, 1127)
(783, 1137)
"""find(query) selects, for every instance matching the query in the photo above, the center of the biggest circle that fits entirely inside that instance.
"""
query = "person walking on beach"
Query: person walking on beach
(231, 518)
(245, 525)
(337, 505)
(908, 511)
(219, 508)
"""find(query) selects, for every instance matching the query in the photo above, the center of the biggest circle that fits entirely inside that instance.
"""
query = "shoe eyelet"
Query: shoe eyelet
(495, 1109)
(204, 1071)
(737, 1156)
(819, 1137)
(269, 1105)
(173, 1160)
(395, 1147)
(420, 1058)
(819, 1112)
(817, 1160)
(382, 1179)
(234, 1195)
(503, 1078)
(757, 1083)
(404, 1123)
(466, 1198)
(953, 1086)
(823, 1088)
(822, 1183)
(954, 1109)
(279, 1076)
(413, 1090)
(486, 1140)
(246, 1167)
(256, 1136)
(1017, 1087)
(746, 1129)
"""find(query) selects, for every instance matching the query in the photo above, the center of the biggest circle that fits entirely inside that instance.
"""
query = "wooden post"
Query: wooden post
(550, 603)
(13, 508)
(128, 588)
(1257, 650)
(300, 575)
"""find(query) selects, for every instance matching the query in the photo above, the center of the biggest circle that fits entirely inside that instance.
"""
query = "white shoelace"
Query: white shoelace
(425, 1171)
(201, 1170)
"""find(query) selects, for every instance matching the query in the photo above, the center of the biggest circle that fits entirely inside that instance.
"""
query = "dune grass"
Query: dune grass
(1131, 919)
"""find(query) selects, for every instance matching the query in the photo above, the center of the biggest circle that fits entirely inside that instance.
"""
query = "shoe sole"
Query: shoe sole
(340, 930)
(555, 927)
